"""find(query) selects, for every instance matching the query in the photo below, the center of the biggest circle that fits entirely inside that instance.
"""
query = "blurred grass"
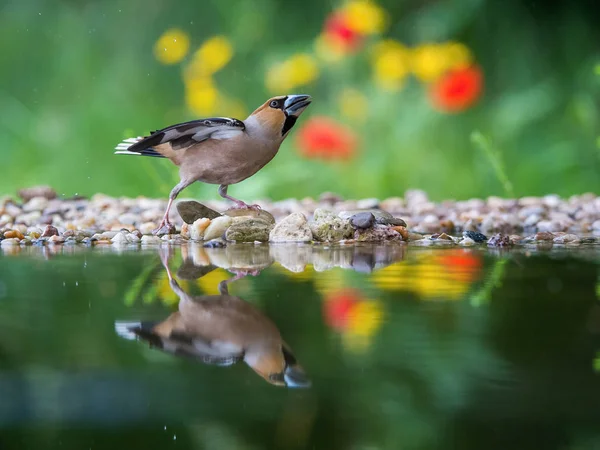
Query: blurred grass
(80, 76)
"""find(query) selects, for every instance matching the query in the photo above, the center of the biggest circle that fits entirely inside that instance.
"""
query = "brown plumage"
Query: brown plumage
(221, 150)
(221, 329)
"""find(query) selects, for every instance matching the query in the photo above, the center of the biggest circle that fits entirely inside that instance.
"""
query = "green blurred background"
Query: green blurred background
(79, 76)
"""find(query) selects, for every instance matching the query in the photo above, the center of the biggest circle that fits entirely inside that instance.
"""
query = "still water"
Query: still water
(301, 348)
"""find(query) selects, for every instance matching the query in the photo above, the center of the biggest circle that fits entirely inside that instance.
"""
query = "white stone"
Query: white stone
(199, 228)
(293, 228)
(217, 227)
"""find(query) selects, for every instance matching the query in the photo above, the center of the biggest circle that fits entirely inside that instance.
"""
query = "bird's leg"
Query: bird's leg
(239, 274)
(165, 256)
(239, 204)
(166, 227)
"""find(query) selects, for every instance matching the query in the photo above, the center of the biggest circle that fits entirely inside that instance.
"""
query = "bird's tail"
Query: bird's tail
(123, 148)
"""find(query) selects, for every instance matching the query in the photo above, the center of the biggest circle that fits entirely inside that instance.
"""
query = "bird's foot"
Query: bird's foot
(165, 227)
(242, 205)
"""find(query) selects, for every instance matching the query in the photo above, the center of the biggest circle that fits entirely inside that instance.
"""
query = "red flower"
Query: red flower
(321, 137)
(339, 34)
(457, 90)
(338, 306)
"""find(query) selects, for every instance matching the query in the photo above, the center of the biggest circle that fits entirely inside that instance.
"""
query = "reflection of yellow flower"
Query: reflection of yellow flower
(164, 291)
(364, 321)
(299, 70)
(172, 46)
(446, 277)
(353, 104)
(430, 61)
(209, 283)
(364, 17)
(391, 64)
(212, 56)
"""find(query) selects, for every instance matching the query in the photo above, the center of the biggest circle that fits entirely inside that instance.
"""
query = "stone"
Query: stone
(415, 236)
(467, 241)
(499, 240)
(362, 220)
(378, 233)
(9, 242)
(36, 204)
(550, 226)
(249, 230)
(442, 237)
(261, 214)
(150, 240)
(293, 228)
(567, 239)
(121, 238)
(191, 210)
(515, 239)
(217, 227)
(381, 217)
(56, 239)
(543, 236)
(37, 191)
(13, 234)
(447, 226)
(147, 227)
(198, 228)
(50, 231)
(403, 232)
(476, 236)
(367, 203)
(327, 227)
(185, 230)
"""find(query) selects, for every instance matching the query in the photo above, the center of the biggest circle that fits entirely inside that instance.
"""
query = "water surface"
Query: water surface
(385, 348)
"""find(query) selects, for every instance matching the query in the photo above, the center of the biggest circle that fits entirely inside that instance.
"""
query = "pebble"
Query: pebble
(293, 228)
(499, 240)
(362, 220)
(50, 231)
(415, 236)
(543, 236)
(198, 228)
(249, 230)
(37, 191)
(150, 240)
(217, 227)
(467, 241)
(121, 238)
(56, 239)
(13, 234)
(475, 236)
(381, 217)
(191, 210)
(10, 241)
(327, 227)
(147, 227)
(567, 239)
(377, 233)
(403, 232)
(261, 214)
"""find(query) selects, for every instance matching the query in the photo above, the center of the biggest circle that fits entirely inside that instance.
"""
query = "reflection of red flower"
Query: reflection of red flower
(339, 34)
(461, 265)
(321, 137)
(337, 307)
(457, 90)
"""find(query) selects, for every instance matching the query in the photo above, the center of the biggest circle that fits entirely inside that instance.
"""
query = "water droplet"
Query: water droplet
(40, 14)
(77, 283)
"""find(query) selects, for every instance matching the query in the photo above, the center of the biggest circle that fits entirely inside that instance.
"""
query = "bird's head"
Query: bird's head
(278, 366)
(279, 114)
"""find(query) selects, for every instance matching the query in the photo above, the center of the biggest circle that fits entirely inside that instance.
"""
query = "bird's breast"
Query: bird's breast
(227, 161)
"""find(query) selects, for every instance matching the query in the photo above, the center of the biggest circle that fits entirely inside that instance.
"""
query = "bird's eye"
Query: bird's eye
(274, 104)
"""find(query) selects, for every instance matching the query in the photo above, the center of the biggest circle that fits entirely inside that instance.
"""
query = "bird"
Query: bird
(222, 330)
(220, 150)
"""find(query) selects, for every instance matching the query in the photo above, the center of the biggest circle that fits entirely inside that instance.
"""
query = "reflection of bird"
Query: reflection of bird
(221, 150)
(221, 329)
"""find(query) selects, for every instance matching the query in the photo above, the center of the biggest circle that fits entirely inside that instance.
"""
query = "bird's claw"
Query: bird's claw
(242, 205)
(165, 227)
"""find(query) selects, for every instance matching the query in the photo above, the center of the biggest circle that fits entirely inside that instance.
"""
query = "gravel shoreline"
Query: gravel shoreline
(37, 216)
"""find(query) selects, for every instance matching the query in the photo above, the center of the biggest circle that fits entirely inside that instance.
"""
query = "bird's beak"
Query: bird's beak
(295, 104)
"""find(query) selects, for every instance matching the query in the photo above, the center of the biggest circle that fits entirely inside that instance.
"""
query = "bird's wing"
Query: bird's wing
(181, 343)
(185, 134)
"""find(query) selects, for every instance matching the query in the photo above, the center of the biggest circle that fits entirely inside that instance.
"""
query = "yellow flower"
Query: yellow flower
(353, 104)
(430, 61)
(201, 96)
(365, 17)
(299, 70)
(391, 64)
(172, 46)
(212, 56)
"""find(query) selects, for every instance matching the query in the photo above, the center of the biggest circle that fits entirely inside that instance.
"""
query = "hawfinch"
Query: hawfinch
(222, 330)
(221, 150)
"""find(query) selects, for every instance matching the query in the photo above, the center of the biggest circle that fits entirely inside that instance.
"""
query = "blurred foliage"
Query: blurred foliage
(398, 87)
